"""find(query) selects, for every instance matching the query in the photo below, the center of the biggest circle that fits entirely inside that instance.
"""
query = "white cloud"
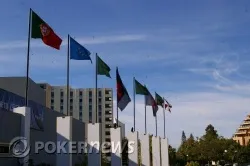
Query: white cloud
(191, 112)
(82, 40)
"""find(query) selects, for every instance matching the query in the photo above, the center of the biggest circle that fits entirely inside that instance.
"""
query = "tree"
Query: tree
(211, 133)
(191, 136)
(172, 155)
(192, 163)
(183, 137)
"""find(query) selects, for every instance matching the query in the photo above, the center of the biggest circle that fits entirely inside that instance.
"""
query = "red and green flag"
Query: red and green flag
(41, 30)
(122, 94)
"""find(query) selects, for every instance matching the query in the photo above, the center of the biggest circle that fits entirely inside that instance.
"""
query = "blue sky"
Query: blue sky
(194, 53)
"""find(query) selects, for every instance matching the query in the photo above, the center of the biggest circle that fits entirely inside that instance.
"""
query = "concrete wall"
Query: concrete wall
(49, 134)
(9, 130)
(78, 134)
(17, 85)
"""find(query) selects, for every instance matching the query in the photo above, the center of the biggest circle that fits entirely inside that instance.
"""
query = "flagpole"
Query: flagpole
(134, 101)
(156, 125)
(68, 91)
(145, 116)
(96, 88)
(164, 118)
(117, 111)
(28, 61)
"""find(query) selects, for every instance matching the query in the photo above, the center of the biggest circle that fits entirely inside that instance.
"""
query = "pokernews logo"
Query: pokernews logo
(20, 148)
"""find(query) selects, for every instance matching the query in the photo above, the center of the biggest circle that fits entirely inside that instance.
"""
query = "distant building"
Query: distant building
(242, 135)
(82, 105)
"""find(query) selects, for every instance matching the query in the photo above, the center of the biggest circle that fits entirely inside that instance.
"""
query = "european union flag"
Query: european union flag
(78, 52)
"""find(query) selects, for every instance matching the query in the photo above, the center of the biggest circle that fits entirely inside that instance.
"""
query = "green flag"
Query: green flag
(140, 89)
(102, 67)
(159, 99)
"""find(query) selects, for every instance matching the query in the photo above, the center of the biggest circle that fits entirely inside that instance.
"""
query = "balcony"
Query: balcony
(108, 112)
(246, 123)
(244, 127)
(239, 132)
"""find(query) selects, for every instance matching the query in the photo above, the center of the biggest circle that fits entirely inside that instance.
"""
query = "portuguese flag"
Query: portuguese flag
(41, 30)
(122, 94)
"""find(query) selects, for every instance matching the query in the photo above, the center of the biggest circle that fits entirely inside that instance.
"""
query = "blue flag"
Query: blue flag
(78, 52)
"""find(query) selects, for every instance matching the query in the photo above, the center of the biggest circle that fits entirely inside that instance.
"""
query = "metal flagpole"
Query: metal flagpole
(28, 60)
(134, 101)
(117, 111)
(68, 91)
(96, 90)
(164, 118)
(156, 125)
(145, 116)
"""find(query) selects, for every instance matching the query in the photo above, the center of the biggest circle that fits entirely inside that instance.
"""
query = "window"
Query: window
(90, 120)
(80, 93)
(52, 101)
(71, 113)
(90, 93)
(108, 126)
(61, 100)
(107, 92)
(90, 100)
(90, 107)
(61, 107)
(100, 107)
(107, 132)
(80, 114)
(71, 100)
(80, 118)
(71, 107)
(80, 108)
(61, 111)
(100, 93)
(100, 120)
(61, 94)
(107, 105)
(52, 94)
(80, 100)
(100, 100)
(99, 114)
(107, 98)
(71, 94)
(108, 119)
(107, 112)
(107, 140)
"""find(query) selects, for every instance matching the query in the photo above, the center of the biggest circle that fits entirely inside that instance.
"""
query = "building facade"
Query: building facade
(83, 105)
(242, 135)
